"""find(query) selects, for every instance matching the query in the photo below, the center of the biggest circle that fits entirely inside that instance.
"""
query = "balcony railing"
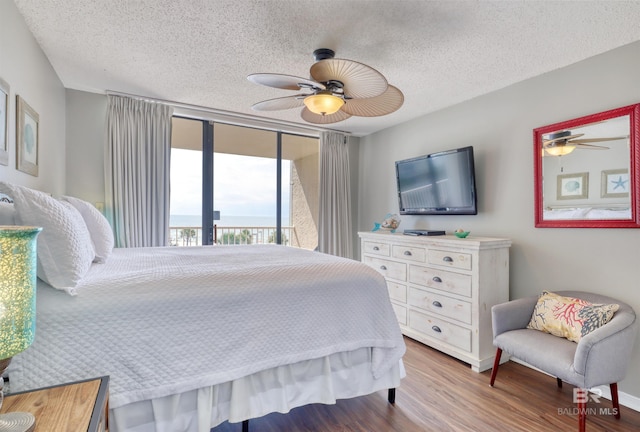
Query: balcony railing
(192, 236)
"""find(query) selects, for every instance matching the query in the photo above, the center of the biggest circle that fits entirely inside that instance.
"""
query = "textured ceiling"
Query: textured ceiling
(438, 53)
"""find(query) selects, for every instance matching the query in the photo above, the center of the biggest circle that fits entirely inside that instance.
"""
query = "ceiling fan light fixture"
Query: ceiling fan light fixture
(323, 103)
(559, 150)
(338, 89)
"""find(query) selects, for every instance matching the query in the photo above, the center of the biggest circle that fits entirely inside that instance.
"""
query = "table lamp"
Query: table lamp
(18, 267)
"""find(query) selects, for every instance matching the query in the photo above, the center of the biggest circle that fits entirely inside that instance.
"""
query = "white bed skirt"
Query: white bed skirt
(324, 380)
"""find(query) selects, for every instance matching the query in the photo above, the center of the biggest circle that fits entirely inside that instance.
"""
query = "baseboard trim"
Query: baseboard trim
(625, 399)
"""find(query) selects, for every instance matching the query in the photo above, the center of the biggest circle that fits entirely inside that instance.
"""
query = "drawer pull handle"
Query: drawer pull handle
(447, 259)
(437, 304)
(436, 279)
(376, 248)
(407, 253)
(383, 267)
(436, 329)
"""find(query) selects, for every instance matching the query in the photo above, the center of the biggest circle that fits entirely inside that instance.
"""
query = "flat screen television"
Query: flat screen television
(440, 183)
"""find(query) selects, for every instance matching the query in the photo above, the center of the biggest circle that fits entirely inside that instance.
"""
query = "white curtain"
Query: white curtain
(137, 171)
(334, 225)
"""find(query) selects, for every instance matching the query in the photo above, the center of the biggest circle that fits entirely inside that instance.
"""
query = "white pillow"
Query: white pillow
(7, 213)
(65, 251)
(98, 225)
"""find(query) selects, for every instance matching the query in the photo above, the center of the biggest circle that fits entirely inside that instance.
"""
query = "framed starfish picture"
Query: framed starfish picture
(615, 183)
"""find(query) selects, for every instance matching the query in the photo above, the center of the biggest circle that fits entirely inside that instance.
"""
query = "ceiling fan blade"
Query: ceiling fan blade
(588, 146)
(592, 140)
(282, 103)
(380, 105)
(286, 82)
(559, 136)
(359, 80)
(323, 119)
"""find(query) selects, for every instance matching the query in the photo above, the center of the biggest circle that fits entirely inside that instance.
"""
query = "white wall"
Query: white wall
(86, 116)
(500, 127)
(28, 71)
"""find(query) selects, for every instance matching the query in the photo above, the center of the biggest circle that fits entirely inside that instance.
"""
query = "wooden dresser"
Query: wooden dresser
(442, 288)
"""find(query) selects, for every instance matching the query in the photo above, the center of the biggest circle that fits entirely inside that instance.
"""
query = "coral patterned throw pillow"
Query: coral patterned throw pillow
(569, 317)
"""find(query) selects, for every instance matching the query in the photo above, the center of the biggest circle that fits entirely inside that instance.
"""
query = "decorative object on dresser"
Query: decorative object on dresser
(77, 406)
(442, 289)
(460, 233)
(390, 223)
(17, 307)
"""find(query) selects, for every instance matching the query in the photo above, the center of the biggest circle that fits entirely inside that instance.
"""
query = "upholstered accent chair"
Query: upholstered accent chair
(599, 358)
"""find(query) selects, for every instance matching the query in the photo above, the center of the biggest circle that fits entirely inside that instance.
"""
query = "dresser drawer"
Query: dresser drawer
(436, 328)
(446, 281)
(377, 248)
(450, 259)
(397, 292)
(389, 269)
(417, 254)
(440, 304)
(401, 313)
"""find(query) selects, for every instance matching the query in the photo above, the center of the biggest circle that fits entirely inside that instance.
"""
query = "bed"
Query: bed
(587, 213)
(192, 337)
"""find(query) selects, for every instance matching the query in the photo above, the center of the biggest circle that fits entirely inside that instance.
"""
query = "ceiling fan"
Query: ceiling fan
(337, 90)
(563, 143)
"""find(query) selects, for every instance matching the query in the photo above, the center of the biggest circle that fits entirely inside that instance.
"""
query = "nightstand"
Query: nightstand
(77, 406)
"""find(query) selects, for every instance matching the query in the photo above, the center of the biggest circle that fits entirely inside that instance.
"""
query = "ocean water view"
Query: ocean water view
(226, 221)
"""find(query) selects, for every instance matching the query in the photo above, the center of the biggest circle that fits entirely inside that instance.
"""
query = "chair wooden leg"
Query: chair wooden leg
(559, 381)
(582, 409)
(496, 364)
(614, 399)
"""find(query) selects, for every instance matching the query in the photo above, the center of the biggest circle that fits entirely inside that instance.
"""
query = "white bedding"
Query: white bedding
(164, 321)
(587, 213)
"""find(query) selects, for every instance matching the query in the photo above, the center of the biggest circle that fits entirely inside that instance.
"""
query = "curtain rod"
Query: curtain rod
(229, 116)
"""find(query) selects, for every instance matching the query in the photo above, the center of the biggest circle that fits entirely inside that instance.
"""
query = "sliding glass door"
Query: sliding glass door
(185, 209)
(255, 186)
(245, 185)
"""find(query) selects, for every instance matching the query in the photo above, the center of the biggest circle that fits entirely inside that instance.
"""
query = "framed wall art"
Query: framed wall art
(615, 183)
(4, 122)
(573, 186)
(27, 137)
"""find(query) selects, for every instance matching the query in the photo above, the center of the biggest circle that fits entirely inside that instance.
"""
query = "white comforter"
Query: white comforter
(161, 321)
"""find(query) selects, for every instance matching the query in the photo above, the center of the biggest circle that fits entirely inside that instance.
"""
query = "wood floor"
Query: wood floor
(442, 394)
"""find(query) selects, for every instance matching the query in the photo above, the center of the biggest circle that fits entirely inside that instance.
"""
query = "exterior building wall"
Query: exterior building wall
(304, 201)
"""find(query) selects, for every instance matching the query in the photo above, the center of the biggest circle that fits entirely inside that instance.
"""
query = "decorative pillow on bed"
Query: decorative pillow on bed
(65, 251)
(98, 225)
(569, 317)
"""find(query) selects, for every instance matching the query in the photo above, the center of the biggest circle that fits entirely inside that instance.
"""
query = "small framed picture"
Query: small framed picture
(615, 183)
(4, 122)
(573, 186)
(27, 137)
